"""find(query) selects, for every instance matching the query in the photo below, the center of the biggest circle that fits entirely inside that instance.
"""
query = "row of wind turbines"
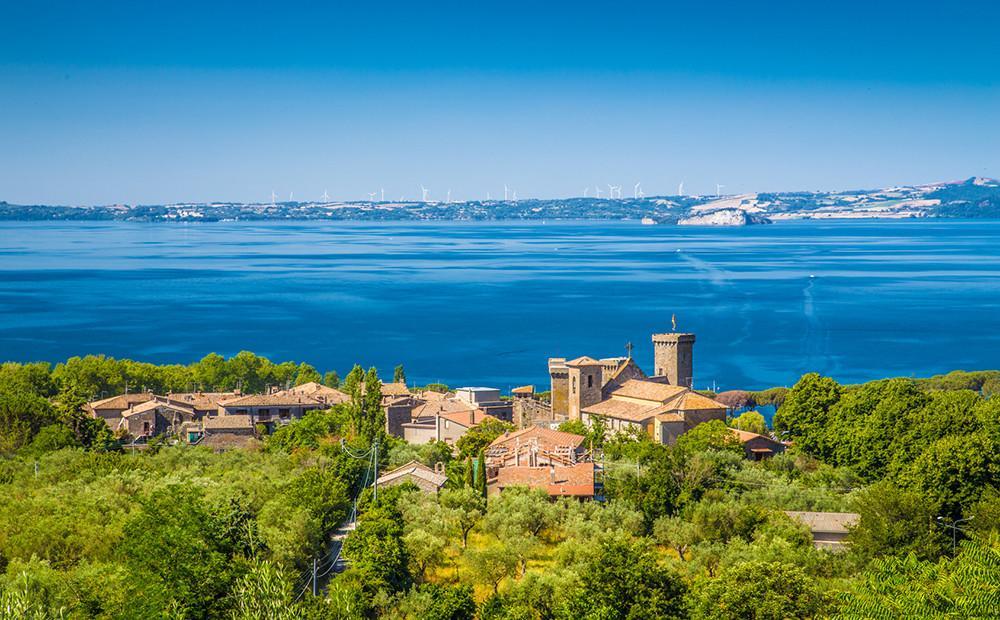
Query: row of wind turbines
(510, 195)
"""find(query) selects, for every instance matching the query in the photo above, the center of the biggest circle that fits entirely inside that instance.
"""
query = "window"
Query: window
(145, 427)
(590, 381)
(574, 385)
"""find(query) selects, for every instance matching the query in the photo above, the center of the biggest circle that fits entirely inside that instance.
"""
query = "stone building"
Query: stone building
(661, 410)
(758, 447)
(426, 479)
(110, 409)
(270, 409)
(155, 417)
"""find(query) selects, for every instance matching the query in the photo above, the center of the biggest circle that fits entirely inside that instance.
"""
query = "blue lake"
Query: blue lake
(488, 303)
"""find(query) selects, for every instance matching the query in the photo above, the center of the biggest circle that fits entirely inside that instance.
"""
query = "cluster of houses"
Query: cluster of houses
(614, 391)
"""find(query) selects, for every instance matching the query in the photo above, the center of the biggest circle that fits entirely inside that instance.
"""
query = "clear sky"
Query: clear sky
(147, 102)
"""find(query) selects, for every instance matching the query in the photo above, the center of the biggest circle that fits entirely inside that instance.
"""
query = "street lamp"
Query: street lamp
(954, 530)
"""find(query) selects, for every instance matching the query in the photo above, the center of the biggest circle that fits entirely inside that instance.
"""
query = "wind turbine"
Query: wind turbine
(382, 190)
(290, 194)
(680, 189)
(274, 197)
(423, 192)
(326, 196)
(505, 192)
(635, 190)
(597, 191)
(611, 191)
(585, 190)
(448, 199)
(515, 195)
(371, 196)
(718, 190)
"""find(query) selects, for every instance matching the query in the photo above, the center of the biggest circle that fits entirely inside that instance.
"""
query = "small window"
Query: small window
(590, 381)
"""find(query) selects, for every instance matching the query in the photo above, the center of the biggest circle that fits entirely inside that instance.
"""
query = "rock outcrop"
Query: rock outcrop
(724, 217)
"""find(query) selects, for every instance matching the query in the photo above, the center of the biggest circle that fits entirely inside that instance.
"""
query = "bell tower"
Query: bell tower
(673, 357)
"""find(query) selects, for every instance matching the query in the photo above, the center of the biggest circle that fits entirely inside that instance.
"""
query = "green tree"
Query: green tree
(492, 564)
(264, 592)
(895, 521)
(54, 437)
(399, 375)
(677, 534)
(481, 435)
(435, 602)
(307, 374)
(712, 435)
(625, 580)
(465, 510)
(480, 476)
(751, 421)
(804, 414)
(758, 591)
(331, 379)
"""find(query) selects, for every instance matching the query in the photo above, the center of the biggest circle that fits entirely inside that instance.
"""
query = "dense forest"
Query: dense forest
(689, 531)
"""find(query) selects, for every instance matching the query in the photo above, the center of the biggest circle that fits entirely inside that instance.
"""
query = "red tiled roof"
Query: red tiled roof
(560, 480)
(650, 390)
(547, 438)
(273, 400)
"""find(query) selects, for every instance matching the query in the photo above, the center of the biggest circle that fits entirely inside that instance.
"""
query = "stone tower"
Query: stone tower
(585, 375)
(673, 355)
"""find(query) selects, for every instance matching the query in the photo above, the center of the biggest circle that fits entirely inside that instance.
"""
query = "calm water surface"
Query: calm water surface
(487, 303)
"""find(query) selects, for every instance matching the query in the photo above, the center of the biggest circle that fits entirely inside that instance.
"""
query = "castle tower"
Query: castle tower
(673, 357)
(559, 376)
(585, 380)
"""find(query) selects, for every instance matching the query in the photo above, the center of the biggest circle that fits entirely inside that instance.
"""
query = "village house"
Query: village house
(269, 409)
(203, 403)
(110, 409)
(535, 446)
(435, 416)
(758, 447)
(542, 458)
(426, 479)
(317, 391)
(446, 427)
(154, 417)
(829, 529)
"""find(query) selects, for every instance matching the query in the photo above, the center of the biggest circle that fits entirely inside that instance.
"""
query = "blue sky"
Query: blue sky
(133, 102)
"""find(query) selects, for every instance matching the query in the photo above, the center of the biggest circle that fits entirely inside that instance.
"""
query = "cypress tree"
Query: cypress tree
(469, 477)
(481, 473)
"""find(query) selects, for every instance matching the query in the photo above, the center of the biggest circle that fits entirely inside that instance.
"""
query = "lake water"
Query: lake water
(488, 303)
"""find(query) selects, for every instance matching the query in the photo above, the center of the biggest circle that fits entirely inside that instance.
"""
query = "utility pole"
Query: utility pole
(314, 576)
(376, 472)
(954, 531)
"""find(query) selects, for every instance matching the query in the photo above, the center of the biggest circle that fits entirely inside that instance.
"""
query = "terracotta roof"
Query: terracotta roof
(265, 400)
(156, 404)
(417, 470)
(438, 407)
(694, 401)
(649, 390)
(569, 480)
(524, 389)
(625, 410)
(547, 438)
(319, 391)
(670, 417)
(584, 361)
(395, 389)
(201, 401)
(827, 522)
(122, 401)
(227, 422)
(468, 419)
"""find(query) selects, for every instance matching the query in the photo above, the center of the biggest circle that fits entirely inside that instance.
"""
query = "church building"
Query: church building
(618, 392)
